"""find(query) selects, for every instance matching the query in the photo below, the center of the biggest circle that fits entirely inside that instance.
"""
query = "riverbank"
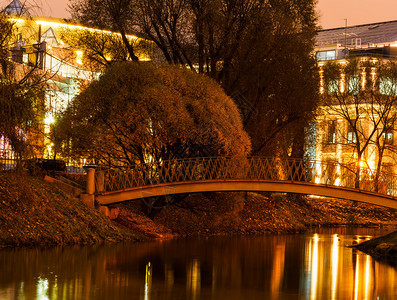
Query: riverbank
(252, 213)
(34, 212)
(383, 247)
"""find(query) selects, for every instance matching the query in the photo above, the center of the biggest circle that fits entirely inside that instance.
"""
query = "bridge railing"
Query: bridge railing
(245, 168)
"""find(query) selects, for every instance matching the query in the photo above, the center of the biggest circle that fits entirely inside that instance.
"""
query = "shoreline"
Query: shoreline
(381, 248)
(251, 213)
(36, 213)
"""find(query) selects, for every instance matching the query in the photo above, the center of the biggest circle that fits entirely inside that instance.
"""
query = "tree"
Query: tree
(384, 140)
(102, 48)
(277, 80)
(363, 97)
(21, 91)
(141, 112)
(116, 15)
(259, 51)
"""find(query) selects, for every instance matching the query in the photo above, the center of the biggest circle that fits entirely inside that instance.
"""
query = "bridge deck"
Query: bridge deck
(232, 174)
(157, 190)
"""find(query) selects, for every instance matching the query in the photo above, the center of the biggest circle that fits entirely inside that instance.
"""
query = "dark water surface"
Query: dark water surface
(314, 265)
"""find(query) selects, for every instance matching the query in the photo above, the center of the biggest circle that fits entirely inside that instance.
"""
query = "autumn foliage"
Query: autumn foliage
(33, 212)
(137, 111)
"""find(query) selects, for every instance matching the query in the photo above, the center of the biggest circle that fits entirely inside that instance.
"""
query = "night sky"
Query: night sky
(332, 12)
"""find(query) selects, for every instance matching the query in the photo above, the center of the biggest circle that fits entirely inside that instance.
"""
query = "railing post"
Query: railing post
(100, 175)
(91, 181)
(88, 198)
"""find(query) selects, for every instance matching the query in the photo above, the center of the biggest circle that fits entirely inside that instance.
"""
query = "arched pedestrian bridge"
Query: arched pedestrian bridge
(230, 174)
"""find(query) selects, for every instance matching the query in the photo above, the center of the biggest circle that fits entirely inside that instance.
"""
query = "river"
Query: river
(313, 265)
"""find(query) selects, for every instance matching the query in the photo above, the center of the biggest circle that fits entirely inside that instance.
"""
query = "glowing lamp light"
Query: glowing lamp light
(72, 26)
(49, 119)
(362, 163)
(79, 57)
(20, 21)
(144, 58)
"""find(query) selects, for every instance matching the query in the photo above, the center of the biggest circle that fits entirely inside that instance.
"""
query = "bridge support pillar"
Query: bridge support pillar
(91, 181)
(89, 197)
(100, 175)
(88, 200)
(110, 212)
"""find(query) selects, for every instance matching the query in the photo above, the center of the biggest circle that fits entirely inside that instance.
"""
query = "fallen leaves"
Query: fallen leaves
(33, 212)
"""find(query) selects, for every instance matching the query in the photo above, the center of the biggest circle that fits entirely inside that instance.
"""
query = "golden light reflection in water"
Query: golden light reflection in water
(193, 278)
(319, 266)
(278, 270)
(364, 277)
(368, 277)
(42, 289)
(337, 272)
(148, 280)
(169, 276)
(357, 278)
(314, 267)
(335, 264)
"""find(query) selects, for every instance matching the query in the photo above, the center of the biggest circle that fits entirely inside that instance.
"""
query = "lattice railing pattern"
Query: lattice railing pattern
(244, 168)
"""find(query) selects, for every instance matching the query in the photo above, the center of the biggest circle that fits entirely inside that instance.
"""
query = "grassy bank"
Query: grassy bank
(33, 212)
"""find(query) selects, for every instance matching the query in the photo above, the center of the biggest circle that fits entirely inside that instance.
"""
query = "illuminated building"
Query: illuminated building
(39, 43)
(335, 138)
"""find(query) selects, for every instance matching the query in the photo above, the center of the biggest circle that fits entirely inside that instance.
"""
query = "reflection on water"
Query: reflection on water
(308, 266)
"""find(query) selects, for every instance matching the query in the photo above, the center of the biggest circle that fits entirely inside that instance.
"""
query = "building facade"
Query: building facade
(41, 43)
(356, 120)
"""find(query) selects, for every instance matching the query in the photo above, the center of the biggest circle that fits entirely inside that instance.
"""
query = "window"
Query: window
(354, 85)
(333, 87)
(326, 55)
(330, 172)
(351, 134)
(387, 167)
(331, 132)
(387, 135)
(388, 86)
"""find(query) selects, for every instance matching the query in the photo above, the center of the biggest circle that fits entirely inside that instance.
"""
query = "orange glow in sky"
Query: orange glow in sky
(332, 13)
(48, 8)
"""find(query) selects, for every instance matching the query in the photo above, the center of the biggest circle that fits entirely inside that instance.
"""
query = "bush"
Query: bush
(137, 111)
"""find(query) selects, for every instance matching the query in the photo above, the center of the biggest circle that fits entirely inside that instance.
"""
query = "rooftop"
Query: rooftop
(15, 7)
(366, 35)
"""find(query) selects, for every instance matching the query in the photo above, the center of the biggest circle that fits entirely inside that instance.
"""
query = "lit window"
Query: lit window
(331, 132)
(351, 134)
(354, 84)
(387, 167)
(388, 137)
(330, 171)
(388, 86)
(333, 87)
(326, 55)
(387, 134)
